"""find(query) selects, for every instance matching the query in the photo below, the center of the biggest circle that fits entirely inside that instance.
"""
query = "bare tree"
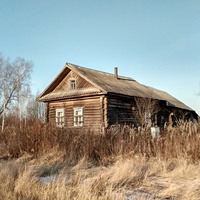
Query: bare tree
(14, 82)
(35, 109)
(145, 108)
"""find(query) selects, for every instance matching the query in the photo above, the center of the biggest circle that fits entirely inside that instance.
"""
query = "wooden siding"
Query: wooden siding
(120, 110)
(65, 83)
(92, 111)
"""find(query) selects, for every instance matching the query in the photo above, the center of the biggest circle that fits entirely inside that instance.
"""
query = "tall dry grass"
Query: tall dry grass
(124, 163)
(37, 138)
(127, 178)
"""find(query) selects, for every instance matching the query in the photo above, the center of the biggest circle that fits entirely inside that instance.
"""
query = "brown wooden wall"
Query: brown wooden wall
(92, 111)
(65, 83)
(120, 110)
(99, 111)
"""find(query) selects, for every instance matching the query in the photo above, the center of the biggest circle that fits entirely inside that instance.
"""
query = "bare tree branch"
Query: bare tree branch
(146, 108)
(14, 81)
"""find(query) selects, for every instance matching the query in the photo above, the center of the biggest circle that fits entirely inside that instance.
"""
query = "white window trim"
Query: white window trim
(73, 86)
(62, 118)
(78, 118)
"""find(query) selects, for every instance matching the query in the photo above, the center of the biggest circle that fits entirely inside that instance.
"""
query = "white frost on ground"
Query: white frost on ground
(48, 179)
(130, 195)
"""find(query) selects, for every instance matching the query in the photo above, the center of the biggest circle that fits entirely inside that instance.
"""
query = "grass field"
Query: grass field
(40, 162)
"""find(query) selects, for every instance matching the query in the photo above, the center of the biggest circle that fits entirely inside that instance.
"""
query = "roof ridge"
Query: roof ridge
(107, 73)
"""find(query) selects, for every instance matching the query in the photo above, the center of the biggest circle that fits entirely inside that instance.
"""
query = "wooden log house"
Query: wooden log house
(84, 98)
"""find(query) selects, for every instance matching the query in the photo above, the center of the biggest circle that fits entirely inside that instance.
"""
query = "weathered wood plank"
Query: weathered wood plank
(91, 110)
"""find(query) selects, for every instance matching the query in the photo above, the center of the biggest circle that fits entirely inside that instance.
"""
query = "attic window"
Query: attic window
(73, 84)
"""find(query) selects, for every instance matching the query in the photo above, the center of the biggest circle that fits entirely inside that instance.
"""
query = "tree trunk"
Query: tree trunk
(3, 118)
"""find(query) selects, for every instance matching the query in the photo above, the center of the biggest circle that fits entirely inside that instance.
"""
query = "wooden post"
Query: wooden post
(47, 112)
(106, 112)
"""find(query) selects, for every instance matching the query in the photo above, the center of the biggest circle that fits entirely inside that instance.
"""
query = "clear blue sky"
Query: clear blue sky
(156, 42)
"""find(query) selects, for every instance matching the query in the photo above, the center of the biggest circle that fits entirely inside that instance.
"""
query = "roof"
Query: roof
(106, 83)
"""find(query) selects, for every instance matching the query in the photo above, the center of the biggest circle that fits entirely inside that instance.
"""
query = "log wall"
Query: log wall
(92, 111)
(120, 110)
(99, 111)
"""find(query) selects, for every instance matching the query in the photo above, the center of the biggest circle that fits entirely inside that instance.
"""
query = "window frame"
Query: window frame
(73, 84)
(60, 120)
(78, 117)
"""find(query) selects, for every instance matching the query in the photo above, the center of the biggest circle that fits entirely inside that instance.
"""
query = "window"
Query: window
(78, 116)
(60, 117)
(73, 84)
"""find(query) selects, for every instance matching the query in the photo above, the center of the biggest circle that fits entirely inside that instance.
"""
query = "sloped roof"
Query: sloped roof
(108, 83)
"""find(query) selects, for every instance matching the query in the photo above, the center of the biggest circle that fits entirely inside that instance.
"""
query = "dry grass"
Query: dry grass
(37, 138)
(122, 164)
(126, 178)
